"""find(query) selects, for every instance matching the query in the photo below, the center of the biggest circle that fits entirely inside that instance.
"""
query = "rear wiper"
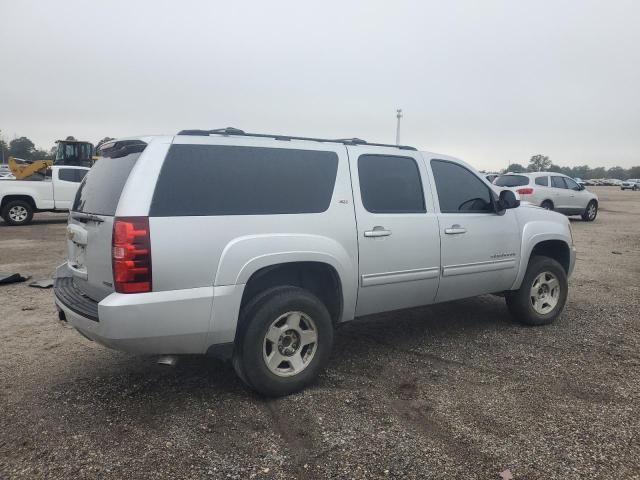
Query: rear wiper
(86, 216)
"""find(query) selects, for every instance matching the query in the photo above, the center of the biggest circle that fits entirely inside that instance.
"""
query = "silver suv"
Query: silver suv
(255, 247)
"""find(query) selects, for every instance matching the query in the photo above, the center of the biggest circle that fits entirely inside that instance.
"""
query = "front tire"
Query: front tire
(591, 212)
(17, 212)
(285, 341)
(542, 294)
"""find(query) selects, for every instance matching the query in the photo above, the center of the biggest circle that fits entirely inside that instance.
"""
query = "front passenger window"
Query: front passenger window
(459, 190)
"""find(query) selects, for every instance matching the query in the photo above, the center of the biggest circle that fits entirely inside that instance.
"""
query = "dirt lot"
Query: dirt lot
(451, 391)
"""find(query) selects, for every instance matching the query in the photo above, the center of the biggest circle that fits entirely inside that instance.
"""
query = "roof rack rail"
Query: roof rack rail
(228, 131)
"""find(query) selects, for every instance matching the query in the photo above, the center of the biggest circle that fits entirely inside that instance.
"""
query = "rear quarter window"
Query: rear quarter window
(208, 180)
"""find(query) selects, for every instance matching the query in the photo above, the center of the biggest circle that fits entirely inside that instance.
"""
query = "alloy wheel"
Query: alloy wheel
(290, 344)
(545, 293)
(18, 213)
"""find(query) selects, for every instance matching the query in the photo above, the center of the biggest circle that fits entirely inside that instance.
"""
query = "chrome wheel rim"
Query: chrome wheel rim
(545, 293)
(290, 344)
(18, 213)
(591, 211)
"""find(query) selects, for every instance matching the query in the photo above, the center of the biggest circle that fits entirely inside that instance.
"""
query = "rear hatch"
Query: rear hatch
(90, 228)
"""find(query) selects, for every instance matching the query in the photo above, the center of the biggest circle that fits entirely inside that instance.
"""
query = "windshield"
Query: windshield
(511, 181)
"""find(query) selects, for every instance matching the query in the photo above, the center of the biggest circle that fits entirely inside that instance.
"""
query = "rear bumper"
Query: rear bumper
(155, 323)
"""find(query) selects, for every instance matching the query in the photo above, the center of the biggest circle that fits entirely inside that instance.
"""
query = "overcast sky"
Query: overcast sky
(490, 81)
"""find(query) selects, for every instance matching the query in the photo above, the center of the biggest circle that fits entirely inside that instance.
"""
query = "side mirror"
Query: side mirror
(506, 200)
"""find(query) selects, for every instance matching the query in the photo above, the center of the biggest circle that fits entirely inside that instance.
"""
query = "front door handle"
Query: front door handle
(377, 231)
(455, 230)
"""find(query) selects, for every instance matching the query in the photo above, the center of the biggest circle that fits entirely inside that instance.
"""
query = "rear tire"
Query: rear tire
(547, 205)
(17, 212)
(284, 341)
(542, 294)
(591, 212)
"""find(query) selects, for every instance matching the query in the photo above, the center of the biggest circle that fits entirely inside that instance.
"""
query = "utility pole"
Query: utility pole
(399, 116)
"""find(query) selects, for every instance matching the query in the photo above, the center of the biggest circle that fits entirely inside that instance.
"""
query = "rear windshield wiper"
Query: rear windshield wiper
(86, 216)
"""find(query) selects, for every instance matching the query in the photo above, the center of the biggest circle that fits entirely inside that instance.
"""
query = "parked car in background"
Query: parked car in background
(20, 199)
(552, 191)
(631, 184)
(5, 173)
(272, 244)
(579, 181)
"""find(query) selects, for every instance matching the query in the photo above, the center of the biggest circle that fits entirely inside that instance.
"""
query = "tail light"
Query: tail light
(525, 191)
(131, 255)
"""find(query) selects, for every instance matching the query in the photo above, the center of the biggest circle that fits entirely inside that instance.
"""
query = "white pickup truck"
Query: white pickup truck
(20, 199)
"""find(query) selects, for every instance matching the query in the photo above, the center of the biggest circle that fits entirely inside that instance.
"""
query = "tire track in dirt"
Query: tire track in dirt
(295, 431)
(414, 410)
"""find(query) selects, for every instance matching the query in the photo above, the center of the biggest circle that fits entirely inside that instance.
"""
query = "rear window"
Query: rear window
(232, 180)
(511, 181)
(100, 190)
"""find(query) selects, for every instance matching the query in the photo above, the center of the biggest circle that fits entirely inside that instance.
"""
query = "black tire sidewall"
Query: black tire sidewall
(519, 301)
(585, 215)
(547, 202)
(262, 314)
(10, 205)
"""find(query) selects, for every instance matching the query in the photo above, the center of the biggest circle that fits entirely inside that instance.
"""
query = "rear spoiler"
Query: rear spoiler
(121, 148)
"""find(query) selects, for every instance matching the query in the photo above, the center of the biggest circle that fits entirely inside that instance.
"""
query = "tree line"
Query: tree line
(542, 163)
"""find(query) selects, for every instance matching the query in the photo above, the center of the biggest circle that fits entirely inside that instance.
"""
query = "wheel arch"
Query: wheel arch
(251, 264)
(552, 245)
(11, 197)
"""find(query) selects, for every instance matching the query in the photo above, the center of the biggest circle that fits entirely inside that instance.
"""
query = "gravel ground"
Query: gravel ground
(450, 391)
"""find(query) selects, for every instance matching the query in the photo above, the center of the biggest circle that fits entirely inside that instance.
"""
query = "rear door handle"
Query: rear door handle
(377, 231)
(455, 230)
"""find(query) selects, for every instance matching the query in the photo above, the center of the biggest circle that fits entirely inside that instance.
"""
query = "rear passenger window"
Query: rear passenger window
(558, 182)
(390, 184)
(80, 173)
(67, 175)
(459, 190)
(232, 180)
(542, 181)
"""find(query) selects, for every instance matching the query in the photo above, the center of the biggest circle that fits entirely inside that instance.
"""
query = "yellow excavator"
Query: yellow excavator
(69, 152)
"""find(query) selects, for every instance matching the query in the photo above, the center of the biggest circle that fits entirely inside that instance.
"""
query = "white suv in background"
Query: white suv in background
(552, 191)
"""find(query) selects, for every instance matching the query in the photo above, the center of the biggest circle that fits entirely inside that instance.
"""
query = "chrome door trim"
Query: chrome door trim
(478, 267)
(401, 276)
